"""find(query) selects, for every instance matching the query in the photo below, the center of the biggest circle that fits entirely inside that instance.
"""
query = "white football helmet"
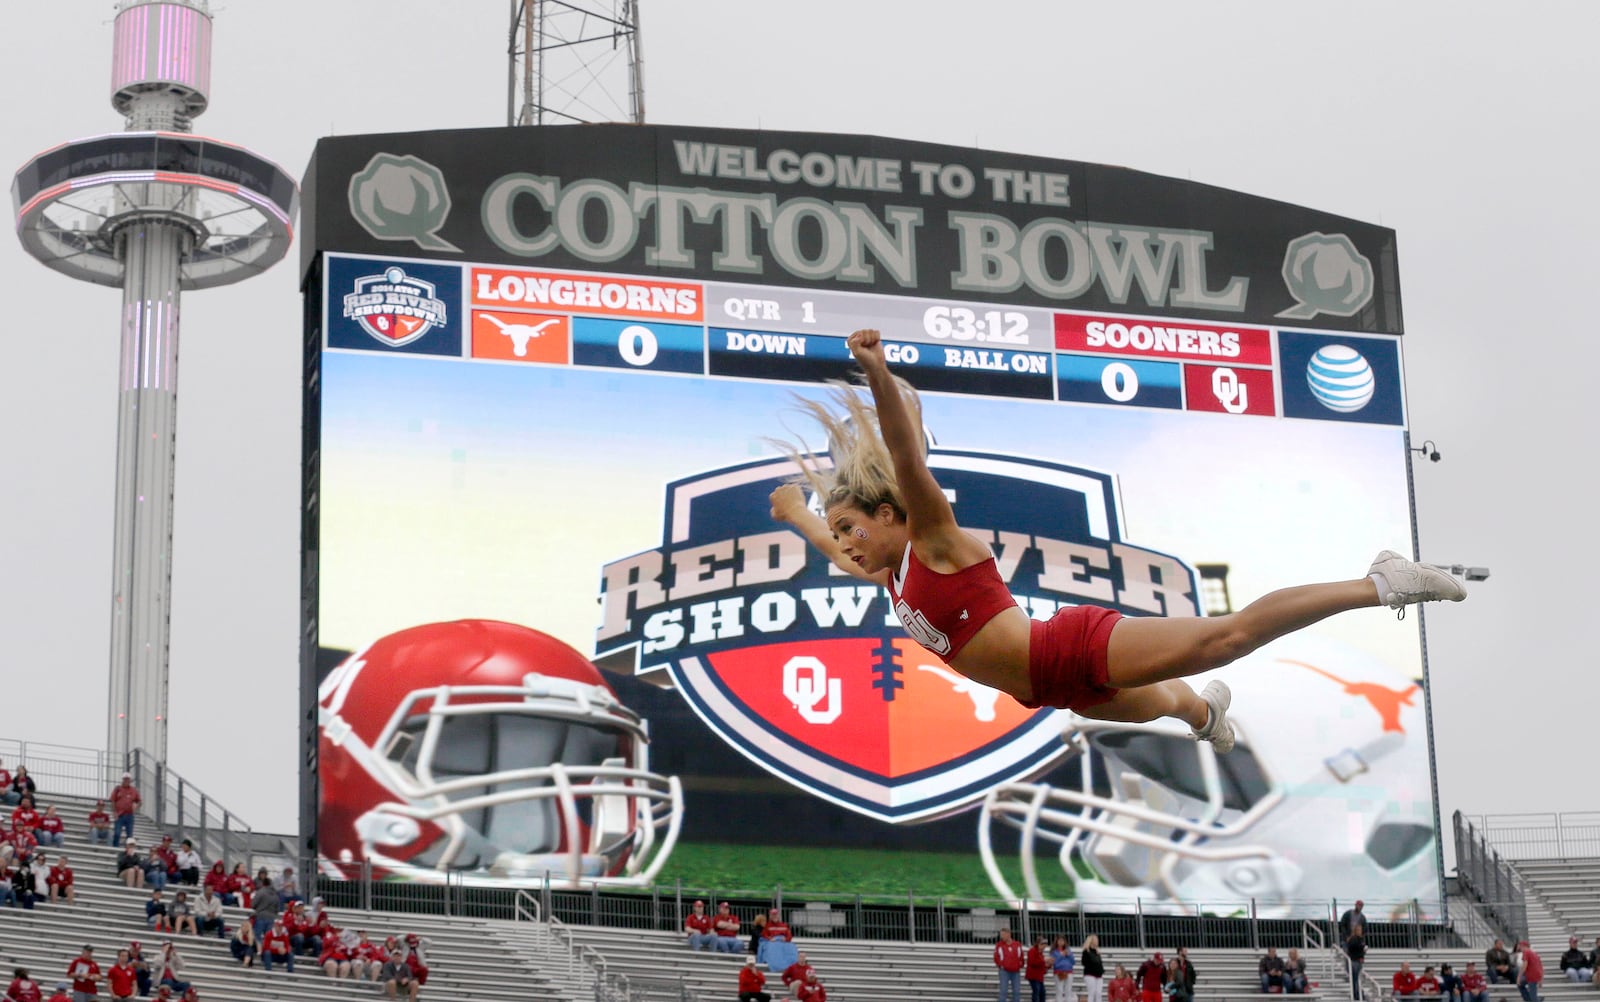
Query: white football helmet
(1327, 795)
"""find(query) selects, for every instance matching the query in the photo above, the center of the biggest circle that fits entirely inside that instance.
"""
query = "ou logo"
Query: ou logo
(815, 696)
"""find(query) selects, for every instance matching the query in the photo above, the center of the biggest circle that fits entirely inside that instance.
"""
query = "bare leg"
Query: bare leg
(1172, 698)
(1149, 649)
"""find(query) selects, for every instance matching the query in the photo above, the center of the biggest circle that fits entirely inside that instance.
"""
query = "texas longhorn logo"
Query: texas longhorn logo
(809, 673)
(394, 307)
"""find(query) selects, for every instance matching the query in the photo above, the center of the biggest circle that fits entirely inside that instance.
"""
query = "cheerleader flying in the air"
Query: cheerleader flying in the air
(887, 521)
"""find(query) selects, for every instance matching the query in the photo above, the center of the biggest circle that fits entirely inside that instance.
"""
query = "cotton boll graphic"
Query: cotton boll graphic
(1340, 378)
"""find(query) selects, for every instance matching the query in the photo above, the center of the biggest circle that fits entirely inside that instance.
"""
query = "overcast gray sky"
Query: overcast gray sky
(1468, 127)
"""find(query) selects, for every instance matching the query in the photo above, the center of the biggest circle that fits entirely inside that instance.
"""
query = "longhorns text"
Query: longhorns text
(696, 607)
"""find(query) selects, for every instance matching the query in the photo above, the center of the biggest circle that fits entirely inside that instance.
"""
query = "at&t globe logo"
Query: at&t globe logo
(1341, 378)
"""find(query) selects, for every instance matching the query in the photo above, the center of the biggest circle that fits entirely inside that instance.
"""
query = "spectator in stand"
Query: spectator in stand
(243, 945)
(1184, 992)
(1404, 982)
(1152, 978)
(1270, 969)
(777, 948)
(22, 787)
(757, 926)
(60, 994)
(125, 801)
(265, 907)
(1575, 964)
(188, 864)
(322, 926)
(726, 925)
(1474, 986)
(25, 845)
(1061, 964)
(1294, 973)
(1356, 949)
(24, 885)
(8, 897)
(60, 882)
(811, 990)
(1008, 965)
(795, 974)
(1497, 964)
(155, 914)
(208, 914)
(1428, 984)
(169, 856)
(5, 785)
(366, 957)
(141, 966)
(155, 869)
(52, 831)
(1094, 969)
(751, 981)
(242, 886)
(276, 947)
(99, 824)
(1351, 920)
(172, 969)
(216, 881)
(130, 868)
(122, 979)
(697, 926)
(1122, 988)
(302, 937)
(85, 975)
(1594, 960)
(416, 957)
(1530, 972)
(1449, 983)
(289, 887)
(182, 913)
(396, 978)
(23, 988)
(8, 852)
(1034, 966)
(25, 816)
(335, 959)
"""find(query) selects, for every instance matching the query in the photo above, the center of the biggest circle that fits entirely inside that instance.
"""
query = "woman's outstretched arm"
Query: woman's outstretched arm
(927, 509)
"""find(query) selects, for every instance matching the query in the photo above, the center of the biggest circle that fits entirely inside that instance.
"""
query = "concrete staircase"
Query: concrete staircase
(469, 959)
(1567, 895)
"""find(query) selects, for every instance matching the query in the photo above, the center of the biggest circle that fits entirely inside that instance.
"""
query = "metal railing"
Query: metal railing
(1566, 835)
(173, 802)
(64, 769)
(1489, 879)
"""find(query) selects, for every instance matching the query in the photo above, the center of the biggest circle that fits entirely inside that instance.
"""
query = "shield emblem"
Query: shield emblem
(806, 670)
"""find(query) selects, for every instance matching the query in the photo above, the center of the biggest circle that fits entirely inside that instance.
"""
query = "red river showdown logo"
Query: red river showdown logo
(809, 673)
(394, 307)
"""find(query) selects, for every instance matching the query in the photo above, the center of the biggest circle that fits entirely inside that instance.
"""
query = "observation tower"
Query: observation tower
(154, 210)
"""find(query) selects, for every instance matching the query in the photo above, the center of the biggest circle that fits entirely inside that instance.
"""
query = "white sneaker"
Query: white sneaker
(1403, 582)
(1217, 730)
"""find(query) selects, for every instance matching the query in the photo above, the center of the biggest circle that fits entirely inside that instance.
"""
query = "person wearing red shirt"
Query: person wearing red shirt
(1474, 986)
(216, 878)
(1122, 987)
(99, 824)
(1404, 981)
(125, 800)
(726, 925)
(335, 959)
(122, 979)
(240, 885)
(776, 948)
(59, 880)
(751, 981)
(1152, 977)
(5, 785)
(51, 830)
(697, 925)
(169, 856)
(366, 958)
(22, 987)
(23, 844)
(795, 974)
(416, 957)
(1008, 962)
(25, 817)
(275, 946)
(811, 990)
(1428, 985)
(1530, 972)
(1034, 968)
(302, 935)
(60, 994)
(84, 972)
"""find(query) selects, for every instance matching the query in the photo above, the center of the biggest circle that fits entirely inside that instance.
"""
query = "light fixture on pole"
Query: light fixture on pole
(1428, 449)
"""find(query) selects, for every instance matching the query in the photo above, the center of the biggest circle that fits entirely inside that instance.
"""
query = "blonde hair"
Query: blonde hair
(1092, 942)
(859, 470)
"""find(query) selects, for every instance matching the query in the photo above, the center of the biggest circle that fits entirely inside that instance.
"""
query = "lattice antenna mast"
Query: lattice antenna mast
(574, 61)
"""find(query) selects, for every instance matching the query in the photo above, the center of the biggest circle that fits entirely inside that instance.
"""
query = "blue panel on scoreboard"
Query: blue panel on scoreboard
(1338, 377)
(1096, 379)
(638, 344)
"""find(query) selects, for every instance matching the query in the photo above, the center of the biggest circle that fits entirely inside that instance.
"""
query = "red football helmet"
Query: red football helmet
(490, 750)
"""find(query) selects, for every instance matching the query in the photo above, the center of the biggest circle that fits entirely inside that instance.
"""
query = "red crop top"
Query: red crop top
(942, 612)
